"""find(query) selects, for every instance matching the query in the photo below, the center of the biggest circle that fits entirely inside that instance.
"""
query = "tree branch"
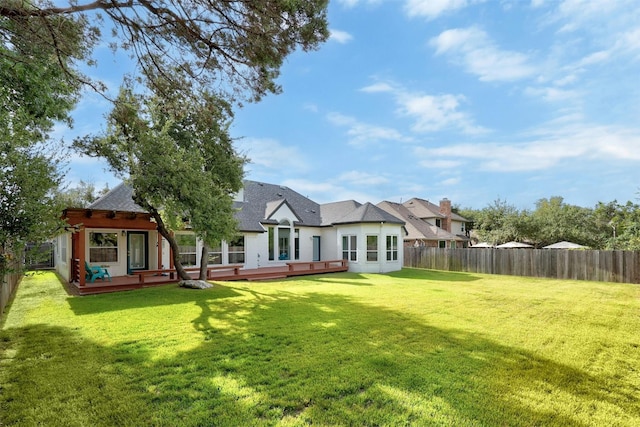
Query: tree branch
(12, 12)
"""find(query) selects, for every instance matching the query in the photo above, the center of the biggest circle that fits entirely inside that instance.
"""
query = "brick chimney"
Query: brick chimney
(445, 209)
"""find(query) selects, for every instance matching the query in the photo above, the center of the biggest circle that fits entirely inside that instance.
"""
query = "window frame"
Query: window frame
(372, 247)
(215, 251)
(184, 254)
(350, 252)
(103, 249)
(232, 252)
(392, 247)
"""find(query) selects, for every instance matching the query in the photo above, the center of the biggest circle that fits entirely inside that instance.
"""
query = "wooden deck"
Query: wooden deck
(218, 273)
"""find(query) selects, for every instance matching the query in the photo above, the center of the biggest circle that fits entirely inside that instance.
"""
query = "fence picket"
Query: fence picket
(603, 266)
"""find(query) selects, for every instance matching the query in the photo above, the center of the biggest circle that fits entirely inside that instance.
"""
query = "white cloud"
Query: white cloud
(594, 58)
(268, 153)
(434, 113)
(361, 134)
(550, 94)
(339, 36)
(451, 181)
(362, 178)
(438, 163)
(543, 151)
(432, 9)
(353, 3)
(327, 192)
(431, 113)
(477, 53)
(378, 88)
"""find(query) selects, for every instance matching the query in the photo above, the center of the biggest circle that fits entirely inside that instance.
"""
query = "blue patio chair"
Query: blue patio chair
(95, 272)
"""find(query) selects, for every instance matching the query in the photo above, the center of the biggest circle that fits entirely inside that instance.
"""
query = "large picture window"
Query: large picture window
(103, 247)
(372, 248)
(236, 251)
(392, 248)
(350, 247)
(187, 247)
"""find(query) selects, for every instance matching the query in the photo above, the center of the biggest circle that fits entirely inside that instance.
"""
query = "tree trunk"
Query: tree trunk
(175, 250)
(204, 261)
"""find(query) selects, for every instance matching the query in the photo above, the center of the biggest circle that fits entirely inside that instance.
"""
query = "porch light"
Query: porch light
(124, 233)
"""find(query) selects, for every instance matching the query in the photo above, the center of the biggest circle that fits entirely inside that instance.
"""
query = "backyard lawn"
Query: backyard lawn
(416, 347)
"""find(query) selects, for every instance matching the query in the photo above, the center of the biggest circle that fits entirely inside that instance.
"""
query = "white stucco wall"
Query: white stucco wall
(62, 256)
(361, 265)
(119, 267)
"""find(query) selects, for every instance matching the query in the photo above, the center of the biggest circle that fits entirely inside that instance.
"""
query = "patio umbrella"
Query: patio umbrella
(565, 245)
(514, 245)
(482, 245)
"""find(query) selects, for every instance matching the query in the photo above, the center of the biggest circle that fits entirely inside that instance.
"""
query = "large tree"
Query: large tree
(179, 159)
(234, 48)
(38, 88)
(190, 50)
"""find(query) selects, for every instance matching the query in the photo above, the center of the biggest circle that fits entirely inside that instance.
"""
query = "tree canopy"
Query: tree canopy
(179, 159)
(233, 48)
(606, 226)
(36, 92)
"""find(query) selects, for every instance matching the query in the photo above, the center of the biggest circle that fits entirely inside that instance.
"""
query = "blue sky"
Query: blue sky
(465, 99)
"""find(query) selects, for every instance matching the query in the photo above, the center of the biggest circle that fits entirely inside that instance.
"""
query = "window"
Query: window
(284, 240)
(438, 222)
(442, 244)
(103, 247)
(372, 248)
(236, 251)
(350, 248)
(453, 244)
(187, 249)
(283, 244)
(392, 248)
(215, 254)
(271, 243)
(63, 248)
(296, 243)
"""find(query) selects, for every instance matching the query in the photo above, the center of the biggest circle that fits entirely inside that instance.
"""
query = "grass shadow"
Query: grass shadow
(282, 358)
(436, 275)
(156, 296)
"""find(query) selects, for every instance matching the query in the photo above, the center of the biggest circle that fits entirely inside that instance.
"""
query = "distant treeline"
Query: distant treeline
(607, 226)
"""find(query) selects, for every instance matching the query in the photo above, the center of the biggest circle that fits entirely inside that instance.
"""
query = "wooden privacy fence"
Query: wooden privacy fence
(9, 283)
(602, 266)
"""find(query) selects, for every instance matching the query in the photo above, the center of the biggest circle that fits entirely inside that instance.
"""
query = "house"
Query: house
(276, 226)
(427, 224)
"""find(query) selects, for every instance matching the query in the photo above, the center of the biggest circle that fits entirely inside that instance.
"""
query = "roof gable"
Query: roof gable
(261, 201)
(422, 208)
(416, 228)
(280, 208)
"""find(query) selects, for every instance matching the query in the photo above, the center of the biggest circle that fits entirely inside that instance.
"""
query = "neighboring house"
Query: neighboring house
(427, 224)
(276, 225)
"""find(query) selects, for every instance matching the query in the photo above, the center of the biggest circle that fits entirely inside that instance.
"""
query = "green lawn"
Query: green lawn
(416, 347)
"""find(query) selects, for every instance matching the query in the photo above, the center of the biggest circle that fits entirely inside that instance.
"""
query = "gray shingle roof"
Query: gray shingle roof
(260, 199)
(332, 212)
(120, 199)
(368, 213)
